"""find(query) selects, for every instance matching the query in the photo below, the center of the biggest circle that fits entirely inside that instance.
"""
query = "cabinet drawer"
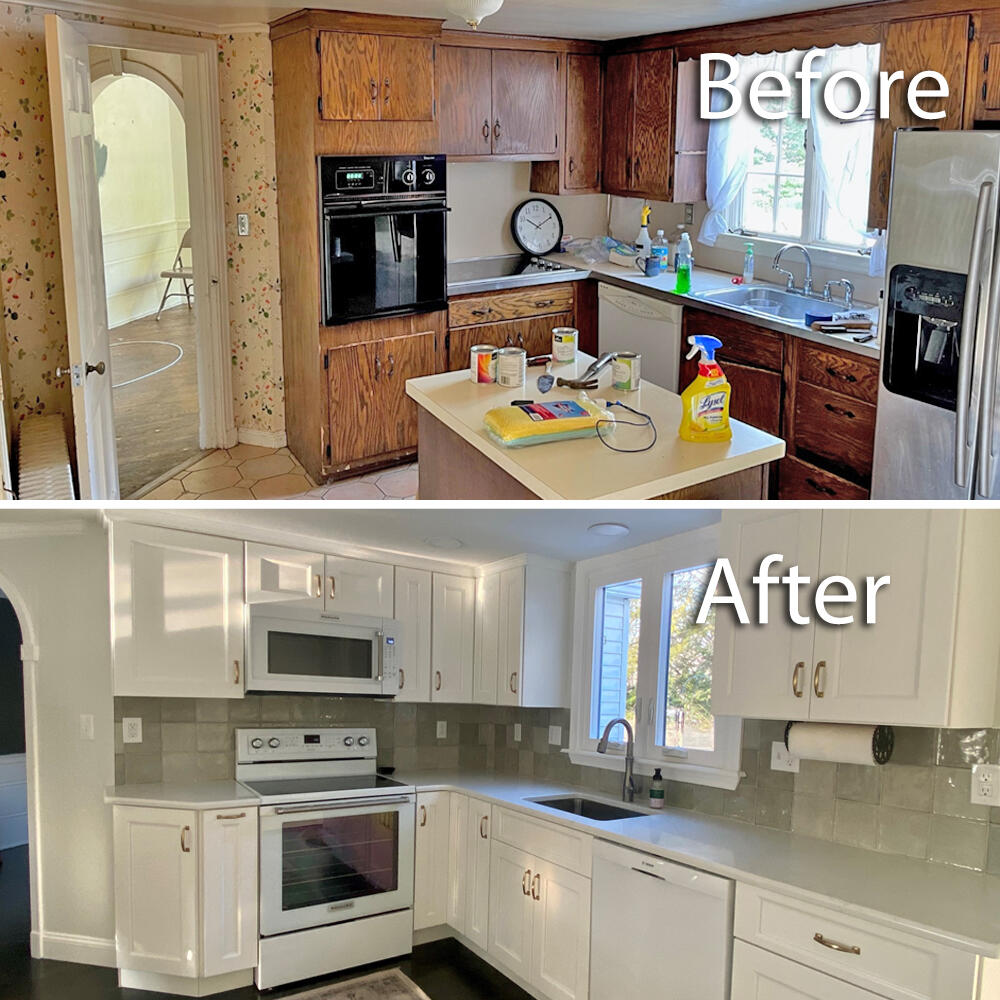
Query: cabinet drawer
(799, 480)
(741, 342)
(760, 975)
(892, 963)
(836, 429)
(517, 304)
(850, 374)
(545, 840)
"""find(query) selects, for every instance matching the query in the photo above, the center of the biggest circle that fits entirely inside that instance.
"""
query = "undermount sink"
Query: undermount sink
(765, 300)
(588, 808)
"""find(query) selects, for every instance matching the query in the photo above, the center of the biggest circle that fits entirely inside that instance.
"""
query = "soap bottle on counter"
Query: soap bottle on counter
(642, 242)
(684, 264)
(656, 791)
(748, 265)
(661, 251)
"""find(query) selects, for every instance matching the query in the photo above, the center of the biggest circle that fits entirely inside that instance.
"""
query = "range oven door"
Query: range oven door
(383, 259)
(325, 863)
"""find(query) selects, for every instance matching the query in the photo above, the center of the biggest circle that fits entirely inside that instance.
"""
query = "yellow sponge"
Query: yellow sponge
(537, 423)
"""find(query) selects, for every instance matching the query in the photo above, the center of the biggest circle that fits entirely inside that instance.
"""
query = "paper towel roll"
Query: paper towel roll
(842, 744)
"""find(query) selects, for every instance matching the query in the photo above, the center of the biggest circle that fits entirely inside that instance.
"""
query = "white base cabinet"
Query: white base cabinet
(185, 892)
(431, 860)
(759, 975)
(469, 868)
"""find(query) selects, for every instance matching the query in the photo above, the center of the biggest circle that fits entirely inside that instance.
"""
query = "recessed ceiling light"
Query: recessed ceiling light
(444, 542)
(609, 528)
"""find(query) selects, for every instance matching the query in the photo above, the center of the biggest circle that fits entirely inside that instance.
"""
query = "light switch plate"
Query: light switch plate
(986, 784)
(517, 732)
(442, 730)
(688, 213)
(555, 735)
(86, 727)
(243, 224)
(781, 759)
(132, 730)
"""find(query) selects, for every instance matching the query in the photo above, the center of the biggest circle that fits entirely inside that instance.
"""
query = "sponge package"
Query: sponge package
(538, 423)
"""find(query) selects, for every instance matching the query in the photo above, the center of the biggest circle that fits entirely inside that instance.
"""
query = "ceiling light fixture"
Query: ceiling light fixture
(473, 11)
(609, 529)
(444, 542)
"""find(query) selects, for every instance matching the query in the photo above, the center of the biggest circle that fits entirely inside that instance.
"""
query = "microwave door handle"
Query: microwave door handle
(380, 659)
(967, 342)
(987, 392)
(341, 805)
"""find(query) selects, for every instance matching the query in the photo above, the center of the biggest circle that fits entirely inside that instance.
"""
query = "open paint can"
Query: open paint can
(625, 371)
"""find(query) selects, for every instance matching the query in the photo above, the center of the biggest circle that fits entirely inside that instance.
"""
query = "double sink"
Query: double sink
(764, 300)
(588, 808)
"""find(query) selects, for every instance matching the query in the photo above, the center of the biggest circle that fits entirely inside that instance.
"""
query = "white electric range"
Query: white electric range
(336, 851)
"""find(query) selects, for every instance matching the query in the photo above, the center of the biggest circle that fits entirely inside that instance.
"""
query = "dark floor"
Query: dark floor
(444, 970)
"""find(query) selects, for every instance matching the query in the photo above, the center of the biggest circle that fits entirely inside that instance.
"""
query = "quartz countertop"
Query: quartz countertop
(182, 795)
(584, 468)
(938, 902)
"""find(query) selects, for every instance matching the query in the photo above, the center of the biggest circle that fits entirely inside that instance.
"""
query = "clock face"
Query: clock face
(536, 226)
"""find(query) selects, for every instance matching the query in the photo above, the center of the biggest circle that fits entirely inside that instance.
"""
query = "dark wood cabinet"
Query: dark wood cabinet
(406, 75)
(983, 78)
(619, 109)
(466, 88)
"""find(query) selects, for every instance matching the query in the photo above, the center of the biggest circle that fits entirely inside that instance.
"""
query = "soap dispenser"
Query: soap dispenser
(656, 790)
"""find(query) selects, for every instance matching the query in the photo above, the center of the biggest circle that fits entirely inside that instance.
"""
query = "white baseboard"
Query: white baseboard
(263, 439)
(196, 987)
(73, 948)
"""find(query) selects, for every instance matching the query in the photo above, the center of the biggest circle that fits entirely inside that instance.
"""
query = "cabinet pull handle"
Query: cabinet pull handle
(241, 815)
(486, 129)
(545, 303)
(437, 680)
(520, 341)
(496, 129)
(510, 341)
(319, 584)
(839, 411)
(797, 678)
(636, 170)
(572, 165)
(373, 83)
(482, 312)
(236, 671)
(846, 376)
(423, 815)
(820, 692)
(333, 588)
(402, 678)
(819, 487)
(513, 683)
(185, 846)
(850, 949)
(386, 85)
(482, 827)
(378, 367)
(536, 887)
(526, 882)
(392, 366)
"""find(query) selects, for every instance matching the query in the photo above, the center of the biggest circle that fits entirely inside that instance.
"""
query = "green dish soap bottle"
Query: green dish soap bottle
(656, 790)
(685, 263)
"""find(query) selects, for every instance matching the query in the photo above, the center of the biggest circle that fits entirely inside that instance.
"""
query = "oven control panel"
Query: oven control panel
(304, 744)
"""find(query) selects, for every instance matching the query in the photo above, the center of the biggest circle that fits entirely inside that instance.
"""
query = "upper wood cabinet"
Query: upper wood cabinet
(930, 43)
(690, 137)
(466, 87)
(367, 77)
(983, 86)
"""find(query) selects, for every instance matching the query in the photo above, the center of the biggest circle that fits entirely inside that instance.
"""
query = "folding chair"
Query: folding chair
(178, 273)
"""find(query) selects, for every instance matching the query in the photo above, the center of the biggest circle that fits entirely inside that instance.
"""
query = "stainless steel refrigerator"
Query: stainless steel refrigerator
(937, 430)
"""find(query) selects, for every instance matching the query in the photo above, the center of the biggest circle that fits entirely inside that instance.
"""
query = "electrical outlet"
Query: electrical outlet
(442, 730)
(131, 730)
(986, 784)
(688, 214)
(555, 736)
(517, 732)
(86, 727)
(243, 224)
(781, 759)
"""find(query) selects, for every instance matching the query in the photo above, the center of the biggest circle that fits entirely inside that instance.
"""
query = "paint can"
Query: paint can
(625, 371)
(565, 340)
(483, 364)
(512, 367)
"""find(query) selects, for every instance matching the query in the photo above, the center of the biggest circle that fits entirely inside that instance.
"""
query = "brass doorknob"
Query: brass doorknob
(100, 368)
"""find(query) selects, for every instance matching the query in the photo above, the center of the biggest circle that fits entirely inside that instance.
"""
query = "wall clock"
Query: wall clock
(537, 226)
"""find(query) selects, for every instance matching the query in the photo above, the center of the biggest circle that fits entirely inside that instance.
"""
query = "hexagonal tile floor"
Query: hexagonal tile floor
(249, 472)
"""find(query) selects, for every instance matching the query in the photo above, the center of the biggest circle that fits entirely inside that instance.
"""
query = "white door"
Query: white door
(560, 960)
(413, 612)
(82, 258)
(156, 890)
(458, 862)
(229, 890)
(452, 641)
(511, 908)
(760, 975)
(284, 576)
(177, 613)
(487, 644)
(430, 885)
(358, 587)
(764, 671)
(477, 881)
(899, 669)
(511, 635)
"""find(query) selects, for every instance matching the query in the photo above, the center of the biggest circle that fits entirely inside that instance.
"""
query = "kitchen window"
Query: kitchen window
(643, 657)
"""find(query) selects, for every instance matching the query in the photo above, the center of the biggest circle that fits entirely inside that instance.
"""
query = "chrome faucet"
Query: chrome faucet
(628, 784)
(807, 285)
(848, 287)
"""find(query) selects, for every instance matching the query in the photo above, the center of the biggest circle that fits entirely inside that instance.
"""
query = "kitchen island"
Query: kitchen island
(460, 461)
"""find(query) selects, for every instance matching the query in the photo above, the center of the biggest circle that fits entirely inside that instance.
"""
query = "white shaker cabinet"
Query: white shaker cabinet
(177, 613)
(431, 861)
(413, 612)
(469, 868)
(759, 975)
(511, 909)
(359, 587)
(486, 661)
(452, 638)
(284, 576)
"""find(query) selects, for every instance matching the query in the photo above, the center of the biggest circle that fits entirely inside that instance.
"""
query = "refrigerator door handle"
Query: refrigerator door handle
(970, 318)
(987, 392)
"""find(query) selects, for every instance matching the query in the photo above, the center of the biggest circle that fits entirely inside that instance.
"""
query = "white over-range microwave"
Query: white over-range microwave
(301, 650)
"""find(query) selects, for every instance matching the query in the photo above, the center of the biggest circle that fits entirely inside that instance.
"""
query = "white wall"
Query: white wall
(13, 801)
(61, 578)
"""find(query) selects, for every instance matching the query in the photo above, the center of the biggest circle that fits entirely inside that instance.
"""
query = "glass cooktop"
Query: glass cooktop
(308, 788)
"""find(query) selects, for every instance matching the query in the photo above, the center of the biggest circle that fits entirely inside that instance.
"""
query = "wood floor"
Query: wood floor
(156, 418)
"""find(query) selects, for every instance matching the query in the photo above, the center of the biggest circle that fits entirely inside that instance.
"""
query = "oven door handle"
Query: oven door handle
(343, 804)
(388, 210)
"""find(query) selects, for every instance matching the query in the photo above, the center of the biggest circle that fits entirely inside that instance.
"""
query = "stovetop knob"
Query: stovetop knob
(256, 743)
(274, 743)
(362, 741)
(348, 741)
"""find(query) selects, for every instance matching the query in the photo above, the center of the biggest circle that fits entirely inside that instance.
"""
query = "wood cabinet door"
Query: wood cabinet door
(654, 115)
(430, 862)
(403, 358)
(526, 99)
(413, 611)
(756, 395)
(355, 403)
(983, 96)
(619, 120)
(452, 638)
(583, 122)
(349, 76)
(406, 79)
(560, 960)
(931, 43)
(465, 92)
(512, 909)
(277, 575)
(461, 342)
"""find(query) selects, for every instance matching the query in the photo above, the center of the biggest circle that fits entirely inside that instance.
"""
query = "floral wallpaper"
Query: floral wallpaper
(30, 263)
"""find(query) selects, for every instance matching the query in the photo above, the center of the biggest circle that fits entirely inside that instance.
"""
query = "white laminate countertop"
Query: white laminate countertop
(942, 903)
(182, 795)
(584, 468)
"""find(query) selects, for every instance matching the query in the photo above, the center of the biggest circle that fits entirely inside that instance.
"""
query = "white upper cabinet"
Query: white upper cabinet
(278, 575)
(413, 612)
(359, 587)
(510, 631)
(177, 613)
(452, 642)
(487, 656)
(929, 659)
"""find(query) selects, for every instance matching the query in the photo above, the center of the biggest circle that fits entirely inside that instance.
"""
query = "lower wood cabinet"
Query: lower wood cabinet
(185, 891)
(431, 861)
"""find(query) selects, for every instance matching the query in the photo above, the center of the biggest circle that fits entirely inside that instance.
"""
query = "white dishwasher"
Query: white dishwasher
(631, 321)
(658, 929)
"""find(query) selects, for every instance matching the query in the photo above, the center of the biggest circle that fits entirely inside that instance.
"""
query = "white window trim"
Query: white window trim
(719, 768)
(765, 247)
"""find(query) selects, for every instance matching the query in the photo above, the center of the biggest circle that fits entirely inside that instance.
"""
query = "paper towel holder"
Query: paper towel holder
(883, 741)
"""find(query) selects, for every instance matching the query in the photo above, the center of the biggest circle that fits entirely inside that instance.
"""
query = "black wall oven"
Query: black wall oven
(383, 236)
